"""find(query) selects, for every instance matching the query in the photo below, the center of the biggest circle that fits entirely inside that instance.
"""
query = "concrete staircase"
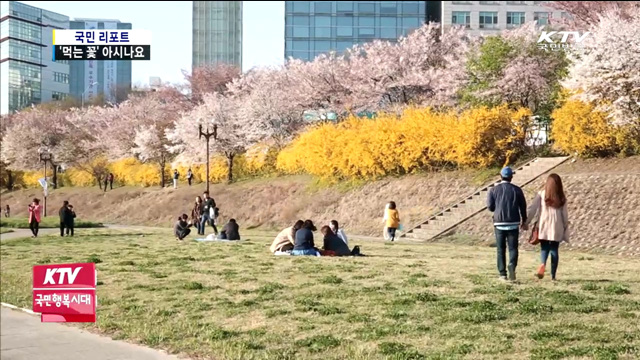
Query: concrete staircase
(447, 219)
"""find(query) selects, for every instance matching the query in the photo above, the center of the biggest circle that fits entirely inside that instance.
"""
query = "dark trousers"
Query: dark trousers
(550, 248)
(111, 184)
(70, 227)
(183, 234)
(203, 223)
(34, 226)
(189, 180)
(392, 233)
(506, 238)
(105, 185)
(62, 227)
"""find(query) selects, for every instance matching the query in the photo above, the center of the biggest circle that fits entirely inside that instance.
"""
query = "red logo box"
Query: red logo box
(65, 292)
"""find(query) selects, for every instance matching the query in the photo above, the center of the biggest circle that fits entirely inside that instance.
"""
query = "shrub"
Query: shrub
(418, 139)
(581, 129)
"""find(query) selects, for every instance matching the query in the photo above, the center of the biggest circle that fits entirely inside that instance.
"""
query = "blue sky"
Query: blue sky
(170, 24)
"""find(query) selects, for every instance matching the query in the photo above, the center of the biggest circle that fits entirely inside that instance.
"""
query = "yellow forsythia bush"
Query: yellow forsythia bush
(581, 129)
(418, 139)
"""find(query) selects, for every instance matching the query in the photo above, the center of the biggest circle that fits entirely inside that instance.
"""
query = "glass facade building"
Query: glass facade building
(316, 27)
(28, 74)
(90, 78)
(217, 32)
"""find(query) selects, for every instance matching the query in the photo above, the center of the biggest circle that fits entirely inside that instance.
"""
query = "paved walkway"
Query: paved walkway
(21, 233)
(24, 337)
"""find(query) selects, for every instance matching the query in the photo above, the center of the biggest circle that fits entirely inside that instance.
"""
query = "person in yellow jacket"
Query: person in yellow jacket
(393, 220)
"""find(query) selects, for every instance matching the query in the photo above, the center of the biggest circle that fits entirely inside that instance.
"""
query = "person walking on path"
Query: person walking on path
(189, 176)
(509, 207)
(106, 182)
(65, 214)
(71, 224)
(7, 211)
(34, 217)
(176, 176)
(393, 220)
(110, 178)
(550, 208)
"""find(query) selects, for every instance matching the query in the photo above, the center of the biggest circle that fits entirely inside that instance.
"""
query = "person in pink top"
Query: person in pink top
(34, 216)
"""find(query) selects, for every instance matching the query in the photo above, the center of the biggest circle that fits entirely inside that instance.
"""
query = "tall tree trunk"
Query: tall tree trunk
(55, 176)
(162, 166)
(230, 157)
(9, 180)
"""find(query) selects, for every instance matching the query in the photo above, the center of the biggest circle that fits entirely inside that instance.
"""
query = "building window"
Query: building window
(542, 18)
(388, 8)
(462, 18)
(344, 6)
(61, 77)
(301, 7)
(488, 20)
(515, 19)
(64, 62)
(322, 7)
(366, 8)
(323, 32)
(300, 32)
(388, 33)
(366, 32)
(366, 21)
(55, 95)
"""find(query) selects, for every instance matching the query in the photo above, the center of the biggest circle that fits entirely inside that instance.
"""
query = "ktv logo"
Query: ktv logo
(546, 40)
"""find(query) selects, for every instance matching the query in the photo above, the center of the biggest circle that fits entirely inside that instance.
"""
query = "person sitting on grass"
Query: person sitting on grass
(333, 244)
(285, 240)
(181, 229)
(231, 231)
(339, 232)
(304, 245)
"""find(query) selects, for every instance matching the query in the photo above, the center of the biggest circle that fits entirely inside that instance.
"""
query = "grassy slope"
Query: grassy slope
(403, 301)
(268, 203)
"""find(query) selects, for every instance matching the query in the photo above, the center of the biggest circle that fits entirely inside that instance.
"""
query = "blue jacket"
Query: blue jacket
(508, 204)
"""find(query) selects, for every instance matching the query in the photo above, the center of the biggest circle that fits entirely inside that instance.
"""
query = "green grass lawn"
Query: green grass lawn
(48, 222)
(402, 301)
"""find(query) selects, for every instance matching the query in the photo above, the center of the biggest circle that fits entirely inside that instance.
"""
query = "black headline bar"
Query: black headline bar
(102, 52)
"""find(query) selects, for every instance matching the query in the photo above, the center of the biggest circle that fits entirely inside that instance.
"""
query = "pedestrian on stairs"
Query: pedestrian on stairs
(509, 207)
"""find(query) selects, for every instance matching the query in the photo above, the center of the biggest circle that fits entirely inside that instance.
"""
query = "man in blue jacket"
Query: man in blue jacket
(509, 207)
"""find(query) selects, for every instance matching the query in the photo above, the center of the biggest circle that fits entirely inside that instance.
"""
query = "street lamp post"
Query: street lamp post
(45, 157)
(87, 88)
(207, 135)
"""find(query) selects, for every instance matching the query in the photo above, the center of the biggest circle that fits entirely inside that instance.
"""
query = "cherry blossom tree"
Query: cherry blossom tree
(605, 70)
(425, 68)
(220, 114)
(210, 78)
(150, 116)
(510, 68)
(271, 96)
(587, 13)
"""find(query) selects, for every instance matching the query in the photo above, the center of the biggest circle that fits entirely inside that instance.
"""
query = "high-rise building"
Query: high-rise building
(217, 32)
(28, 75)
(108, 78)
(487, 17)
(316, 27)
